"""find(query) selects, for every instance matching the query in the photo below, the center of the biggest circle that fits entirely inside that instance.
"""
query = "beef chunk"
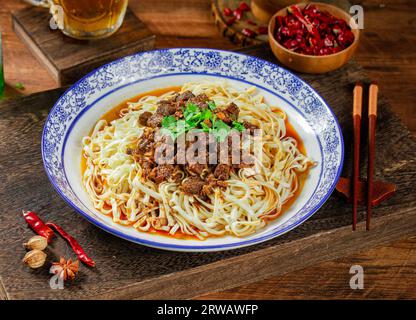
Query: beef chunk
(166, 108)
(162, 173)
(232, 110)
(185, 96)
(146, 141)
(146, 163)
(229, 114)
(200, 100)
(193, 185)
(250, 126)
(196, 168)
(144, 117)
(155, 120)
(145, 145)
(222, 172)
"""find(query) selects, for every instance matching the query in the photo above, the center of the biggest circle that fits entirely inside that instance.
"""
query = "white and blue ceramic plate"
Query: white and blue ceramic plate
(78, 109)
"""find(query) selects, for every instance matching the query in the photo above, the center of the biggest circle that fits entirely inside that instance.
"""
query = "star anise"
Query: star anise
(67, 270)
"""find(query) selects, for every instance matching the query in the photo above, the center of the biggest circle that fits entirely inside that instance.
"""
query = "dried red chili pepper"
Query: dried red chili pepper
(238, 14)
(311, 31)
(244, 6)
(279, 21)
(251, 22)
(249, 33)
(228, 12)
(230, 21)
(304, 20)
(37, 225)
(74, 244)
(262, 30)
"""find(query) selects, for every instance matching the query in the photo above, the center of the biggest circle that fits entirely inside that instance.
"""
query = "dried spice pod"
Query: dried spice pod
(35, 259)
(36, 243)
(66, 269)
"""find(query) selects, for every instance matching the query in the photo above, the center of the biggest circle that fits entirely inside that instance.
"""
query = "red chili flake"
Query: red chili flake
(228, 12)
(244, 6)
(249, 33)
(251, 22)
(74, 244)
(230, 21)
(262, 30)
(38, 225)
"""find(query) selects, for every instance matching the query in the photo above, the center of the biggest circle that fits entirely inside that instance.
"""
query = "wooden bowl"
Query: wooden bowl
(309, 63)
(263, 10)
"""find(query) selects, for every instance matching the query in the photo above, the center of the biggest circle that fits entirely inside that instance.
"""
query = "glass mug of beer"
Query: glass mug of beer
(86, 19)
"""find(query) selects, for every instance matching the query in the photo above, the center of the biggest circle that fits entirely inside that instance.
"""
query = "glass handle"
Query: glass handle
(39, 3)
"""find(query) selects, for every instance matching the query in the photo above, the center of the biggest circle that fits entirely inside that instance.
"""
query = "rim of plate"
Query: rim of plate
(199, 248)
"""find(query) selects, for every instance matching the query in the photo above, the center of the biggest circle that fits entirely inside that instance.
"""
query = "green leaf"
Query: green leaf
(238, 126)
(205, 127)
(206, 114)
(211, 105)
(168, 121)
(191, 108)
(219, 124)
(221, 130)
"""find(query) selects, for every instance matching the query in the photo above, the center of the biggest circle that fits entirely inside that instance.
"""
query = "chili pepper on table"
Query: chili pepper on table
(244, 6)
(79, 251)
(231, 21)
(249, 33)
(227, 12)
(37, 225)
(238, 14)
(262, 30)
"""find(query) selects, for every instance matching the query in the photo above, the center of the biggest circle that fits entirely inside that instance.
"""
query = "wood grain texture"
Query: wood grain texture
(69, 59)
(387, 53)
(127, 270)
(389, 271)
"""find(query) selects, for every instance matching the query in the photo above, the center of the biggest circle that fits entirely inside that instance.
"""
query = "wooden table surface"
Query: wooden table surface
(388, 54)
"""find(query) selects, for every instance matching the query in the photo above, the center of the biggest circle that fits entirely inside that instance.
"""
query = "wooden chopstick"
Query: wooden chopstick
(356, 114)
(372, 118)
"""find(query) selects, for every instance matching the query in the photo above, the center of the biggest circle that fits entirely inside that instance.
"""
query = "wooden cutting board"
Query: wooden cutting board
(69, 59)
(127, 270)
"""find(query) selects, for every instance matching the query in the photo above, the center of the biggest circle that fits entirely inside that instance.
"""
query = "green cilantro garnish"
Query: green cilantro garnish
(220, 130)
(238, 126)
(168, 121)
(211, 105)
(194, 118)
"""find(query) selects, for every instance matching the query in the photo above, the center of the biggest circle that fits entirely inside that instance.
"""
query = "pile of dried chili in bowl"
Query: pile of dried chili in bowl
(312, 31)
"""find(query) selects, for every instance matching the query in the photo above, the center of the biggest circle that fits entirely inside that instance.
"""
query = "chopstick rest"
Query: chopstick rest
(381, 191)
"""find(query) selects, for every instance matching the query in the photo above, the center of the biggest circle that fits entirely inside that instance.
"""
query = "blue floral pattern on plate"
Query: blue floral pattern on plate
(196, 61)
